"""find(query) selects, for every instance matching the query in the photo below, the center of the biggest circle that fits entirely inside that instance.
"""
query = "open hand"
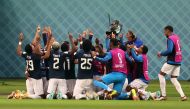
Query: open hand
(159, 55)
(38, 29)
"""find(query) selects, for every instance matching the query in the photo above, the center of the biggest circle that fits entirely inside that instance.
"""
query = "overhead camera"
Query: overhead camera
(115, 28)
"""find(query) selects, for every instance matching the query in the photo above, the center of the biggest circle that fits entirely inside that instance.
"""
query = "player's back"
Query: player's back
(119, 63)
(69, 65)
(85, 70)
(33, 64)
(56, 61)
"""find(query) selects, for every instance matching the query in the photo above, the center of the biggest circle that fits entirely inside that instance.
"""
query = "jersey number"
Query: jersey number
(55, 64)
(178, 45)
(86, 63)
(68, 64)
(30, 65)
(120, 58)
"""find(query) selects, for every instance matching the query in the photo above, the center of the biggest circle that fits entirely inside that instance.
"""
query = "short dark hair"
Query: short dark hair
(114, 41)
(66, 42)
(170, 28)
(64, 47)
(86, 45)
(28, 49)
(144, 49)
(123, 47)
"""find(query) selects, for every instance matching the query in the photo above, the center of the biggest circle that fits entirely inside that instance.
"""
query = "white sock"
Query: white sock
(34, 96)
(162, 84)
(47, 96)
(109, 89)
(177, 86)
(142, 91)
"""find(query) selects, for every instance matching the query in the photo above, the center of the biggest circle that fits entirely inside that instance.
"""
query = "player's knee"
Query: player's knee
(162, 73)
(99, 79)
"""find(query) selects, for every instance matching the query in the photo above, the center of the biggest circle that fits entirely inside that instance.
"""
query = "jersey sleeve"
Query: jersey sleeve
(170, 47)
(127, 57)
(104, 59)
(137, 58)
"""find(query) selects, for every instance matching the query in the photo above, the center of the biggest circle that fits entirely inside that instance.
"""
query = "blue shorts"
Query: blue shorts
(117, 78)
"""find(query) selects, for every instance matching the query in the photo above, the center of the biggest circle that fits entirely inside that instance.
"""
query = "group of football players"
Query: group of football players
(117, 71)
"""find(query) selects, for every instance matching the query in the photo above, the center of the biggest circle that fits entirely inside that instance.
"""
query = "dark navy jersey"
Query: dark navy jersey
(56, 61)
(33, 65)
(85, 70)
(44, 65)
(69, 66)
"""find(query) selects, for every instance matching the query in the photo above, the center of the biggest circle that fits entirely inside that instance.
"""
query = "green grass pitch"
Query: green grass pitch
(173, 102)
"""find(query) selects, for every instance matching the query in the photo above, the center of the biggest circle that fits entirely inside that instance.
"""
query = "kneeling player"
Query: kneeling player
(119, 70)
(34, 80)
(85, 71)
(57, 82)
(138, 86)
(69, 67)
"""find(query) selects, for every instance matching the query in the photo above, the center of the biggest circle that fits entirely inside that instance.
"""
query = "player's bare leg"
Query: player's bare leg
(177, 85)
(162, 80)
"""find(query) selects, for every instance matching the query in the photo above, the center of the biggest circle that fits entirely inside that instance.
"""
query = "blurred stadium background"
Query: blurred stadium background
(146, 17)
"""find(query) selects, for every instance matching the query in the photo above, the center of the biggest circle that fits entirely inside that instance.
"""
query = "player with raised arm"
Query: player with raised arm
(69, 65)
(138, 86)
(34, 80)
(57, 82)
(119, 70)
(85, 71)
(173, 63)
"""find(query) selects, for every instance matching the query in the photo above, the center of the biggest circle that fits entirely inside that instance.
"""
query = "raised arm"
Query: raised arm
(137, 58)
(72, 43)
(37, 35)
(36, 41)
(19, 47)
(121, 39)
(49, 44)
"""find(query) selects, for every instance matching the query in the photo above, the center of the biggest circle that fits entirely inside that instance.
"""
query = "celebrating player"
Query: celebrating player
(85, 71)
(33, 69)
(172, 66)
(69, 65)
(119, 70)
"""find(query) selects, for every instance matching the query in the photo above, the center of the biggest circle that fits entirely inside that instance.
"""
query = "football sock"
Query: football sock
(177, 86)
(162, 84)
(142, 91)
(101, 85)
(123, 96)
